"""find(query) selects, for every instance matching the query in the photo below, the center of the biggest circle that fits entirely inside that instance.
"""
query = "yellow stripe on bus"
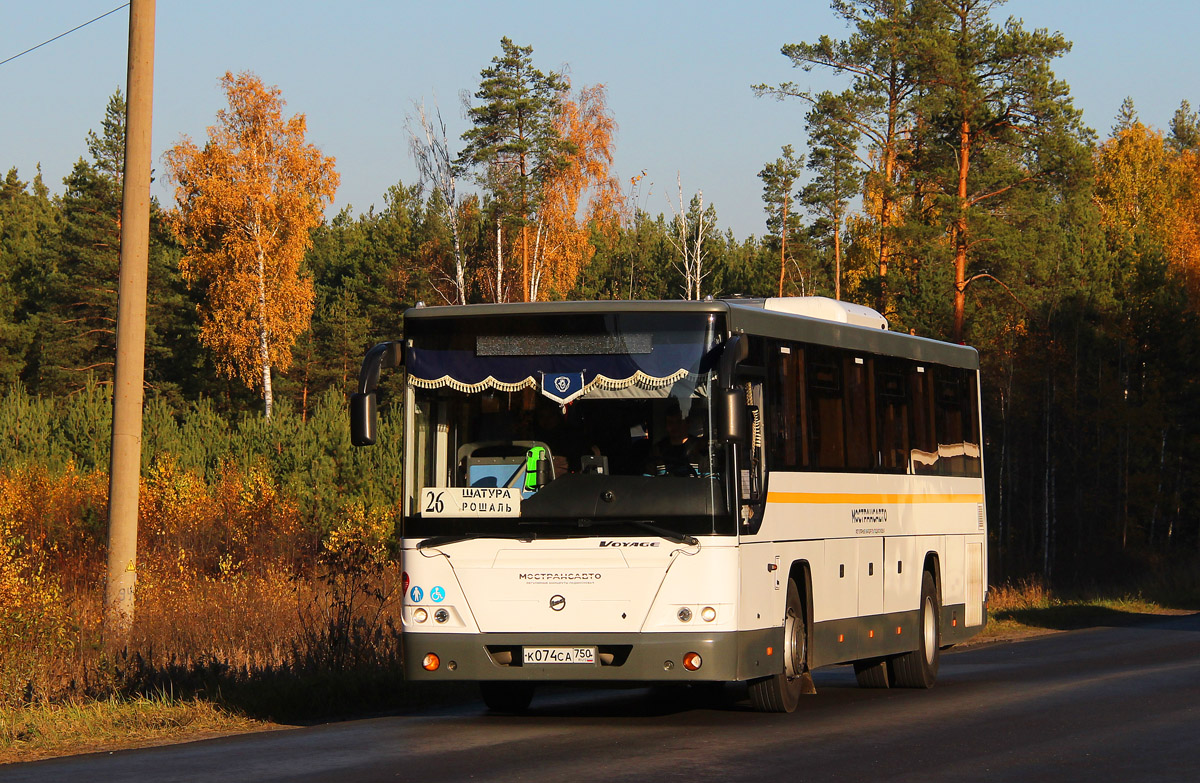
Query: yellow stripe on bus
(833, 498)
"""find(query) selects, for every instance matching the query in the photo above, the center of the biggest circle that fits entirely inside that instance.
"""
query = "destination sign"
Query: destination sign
(471, 502)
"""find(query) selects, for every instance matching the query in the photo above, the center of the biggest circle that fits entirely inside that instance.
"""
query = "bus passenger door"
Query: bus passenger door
(870, 576)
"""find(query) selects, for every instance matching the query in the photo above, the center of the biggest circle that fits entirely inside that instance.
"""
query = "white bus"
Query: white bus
(682, 492)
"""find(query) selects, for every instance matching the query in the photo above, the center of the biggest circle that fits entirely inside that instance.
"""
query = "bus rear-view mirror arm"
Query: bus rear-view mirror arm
(363, 414)
(732, 426)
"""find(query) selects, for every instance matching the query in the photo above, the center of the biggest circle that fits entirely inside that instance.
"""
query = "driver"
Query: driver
(679, 453)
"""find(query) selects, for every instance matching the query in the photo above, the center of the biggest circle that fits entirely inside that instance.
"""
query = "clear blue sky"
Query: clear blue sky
(678, 75)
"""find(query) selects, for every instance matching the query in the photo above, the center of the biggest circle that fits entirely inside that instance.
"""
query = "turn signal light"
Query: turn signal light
(692, 661)
(431, 662)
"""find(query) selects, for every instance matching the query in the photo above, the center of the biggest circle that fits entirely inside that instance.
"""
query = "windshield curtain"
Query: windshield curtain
(625, 443)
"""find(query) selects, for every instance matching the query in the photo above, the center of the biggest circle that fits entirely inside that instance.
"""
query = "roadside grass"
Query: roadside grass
(1029, 607)
(42, 731)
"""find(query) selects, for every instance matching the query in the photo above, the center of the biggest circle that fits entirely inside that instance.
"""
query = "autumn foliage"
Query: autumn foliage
(247, 201)
(565, 242)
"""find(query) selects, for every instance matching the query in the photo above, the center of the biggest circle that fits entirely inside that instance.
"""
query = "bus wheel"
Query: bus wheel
(508, 697)
(872, 673)
(781, 692)
(919, 668)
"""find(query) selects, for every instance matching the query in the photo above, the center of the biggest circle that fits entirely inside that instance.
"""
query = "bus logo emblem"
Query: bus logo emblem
(562, 387)
(558, 603)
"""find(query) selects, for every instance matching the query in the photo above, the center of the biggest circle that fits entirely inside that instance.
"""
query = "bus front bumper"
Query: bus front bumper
(643, 657)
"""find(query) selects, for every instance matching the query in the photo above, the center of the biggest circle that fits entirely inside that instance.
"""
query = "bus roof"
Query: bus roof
(749, 316)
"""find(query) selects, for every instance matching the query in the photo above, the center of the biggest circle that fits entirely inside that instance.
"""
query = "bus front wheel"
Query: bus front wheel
(919, 668)
(781, 692)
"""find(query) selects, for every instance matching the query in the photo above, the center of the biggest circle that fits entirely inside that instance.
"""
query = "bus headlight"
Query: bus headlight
(420, 615)
(441, 615)
(708, 614)
(685, 615)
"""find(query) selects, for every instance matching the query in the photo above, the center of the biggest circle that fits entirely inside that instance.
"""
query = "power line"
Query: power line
(68, 32)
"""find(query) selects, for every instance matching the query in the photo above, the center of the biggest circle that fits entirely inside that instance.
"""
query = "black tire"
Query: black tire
(781, 692)
(919, 668)
(872, 673)
(509, 697)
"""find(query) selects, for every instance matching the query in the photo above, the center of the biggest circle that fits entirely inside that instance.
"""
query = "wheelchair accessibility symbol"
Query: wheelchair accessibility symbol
(437, 594)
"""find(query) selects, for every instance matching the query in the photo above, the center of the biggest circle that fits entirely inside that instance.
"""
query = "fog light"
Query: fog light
(420, 615)
(441, 615)
(685, 614)
(708, 614)
(431, 662)
(692, 661)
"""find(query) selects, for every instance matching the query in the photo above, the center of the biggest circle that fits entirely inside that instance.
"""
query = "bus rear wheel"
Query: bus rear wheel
(919, 668)
(510, 697)
(781, 692)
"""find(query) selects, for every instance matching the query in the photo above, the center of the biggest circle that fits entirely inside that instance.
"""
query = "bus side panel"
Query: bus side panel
(835, 587)
(954, 567)
(902, 574)
(870, 576)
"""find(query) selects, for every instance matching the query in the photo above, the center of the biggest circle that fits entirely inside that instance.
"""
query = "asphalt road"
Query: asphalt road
(1105, 704)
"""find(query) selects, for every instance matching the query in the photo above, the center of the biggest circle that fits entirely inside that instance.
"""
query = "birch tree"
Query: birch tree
(692, 225)
(247, 201)
(431, 151)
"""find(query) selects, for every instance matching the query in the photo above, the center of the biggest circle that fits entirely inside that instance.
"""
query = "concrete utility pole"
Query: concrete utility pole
(126, 465)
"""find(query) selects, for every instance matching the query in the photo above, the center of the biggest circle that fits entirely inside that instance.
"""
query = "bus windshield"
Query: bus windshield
(581, 425)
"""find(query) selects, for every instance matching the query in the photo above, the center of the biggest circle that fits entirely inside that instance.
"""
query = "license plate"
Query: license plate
(535, 655)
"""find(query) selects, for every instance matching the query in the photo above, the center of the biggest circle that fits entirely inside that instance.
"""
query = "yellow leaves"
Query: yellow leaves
(360, 537)
(1135, 188)
(1149, 199)
(247, 201)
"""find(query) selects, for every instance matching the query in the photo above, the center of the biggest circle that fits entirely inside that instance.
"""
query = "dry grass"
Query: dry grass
(42, 731)
(1030, 607)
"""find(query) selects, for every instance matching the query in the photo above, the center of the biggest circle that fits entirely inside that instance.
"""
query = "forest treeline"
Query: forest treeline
(950, 183)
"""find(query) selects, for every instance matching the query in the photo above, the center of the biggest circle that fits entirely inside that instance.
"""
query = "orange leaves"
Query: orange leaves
(247, 201)
(1184, 246)
(565, 243)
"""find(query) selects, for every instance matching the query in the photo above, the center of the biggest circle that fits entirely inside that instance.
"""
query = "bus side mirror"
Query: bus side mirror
(363, 416)
(363, 419)
(731, 415)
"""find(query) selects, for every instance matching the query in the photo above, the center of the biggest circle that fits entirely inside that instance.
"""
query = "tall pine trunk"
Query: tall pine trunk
(960, 231)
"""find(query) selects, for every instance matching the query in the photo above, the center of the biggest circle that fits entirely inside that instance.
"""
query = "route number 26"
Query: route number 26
(434, 502)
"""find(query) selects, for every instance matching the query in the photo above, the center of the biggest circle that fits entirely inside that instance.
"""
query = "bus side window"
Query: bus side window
(860, 432)
(785, 440)
(958, 443)
(826, 419)
(891, 403)
(923, 455)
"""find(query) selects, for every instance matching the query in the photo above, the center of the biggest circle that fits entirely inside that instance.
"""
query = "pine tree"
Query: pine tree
(996, 120)
(878, 103)
(514, 145)
(779, 186)
(1185, 129)
(836, 179)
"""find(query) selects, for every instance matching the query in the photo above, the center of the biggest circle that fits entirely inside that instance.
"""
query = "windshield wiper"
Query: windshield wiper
(651, 527)
(436, 541)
